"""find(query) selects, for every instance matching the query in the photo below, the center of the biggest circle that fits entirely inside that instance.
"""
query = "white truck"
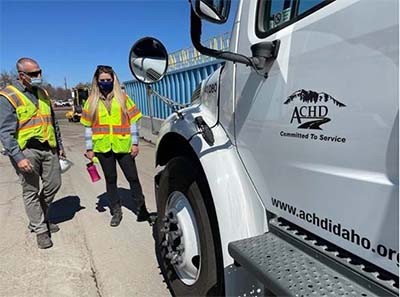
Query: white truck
(282, 176)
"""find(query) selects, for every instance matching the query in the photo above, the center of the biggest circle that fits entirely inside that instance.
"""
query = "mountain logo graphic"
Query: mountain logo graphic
(314, 112)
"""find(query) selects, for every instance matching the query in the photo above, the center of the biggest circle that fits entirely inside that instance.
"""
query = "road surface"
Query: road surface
(89, 258)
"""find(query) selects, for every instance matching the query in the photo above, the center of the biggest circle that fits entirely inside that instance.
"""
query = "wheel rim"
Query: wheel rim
(181, 239)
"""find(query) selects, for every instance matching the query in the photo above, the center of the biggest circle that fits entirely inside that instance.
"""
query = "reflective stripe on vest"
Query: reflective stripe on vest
(85, 115)
(10, 92)
(35, 121)
(100, 130)
(133, 111)
(121, 130)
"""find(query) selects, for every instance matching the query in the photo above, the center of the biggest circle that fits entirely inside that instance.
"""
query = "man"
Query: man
(31, 137)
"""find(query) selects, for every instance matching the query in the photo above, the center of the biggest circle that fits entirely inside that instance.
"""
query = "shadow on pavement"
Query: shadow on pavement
(126, 201)
(64, 209)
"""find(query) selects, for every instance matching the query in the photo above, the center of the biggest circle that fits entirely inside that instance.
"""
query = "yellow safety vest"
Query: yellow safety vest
(111, 131)
(33, 121)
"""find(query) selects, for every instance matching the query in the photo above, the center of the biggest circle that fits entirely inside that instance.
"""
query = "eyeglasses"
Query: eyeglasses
(33, 73)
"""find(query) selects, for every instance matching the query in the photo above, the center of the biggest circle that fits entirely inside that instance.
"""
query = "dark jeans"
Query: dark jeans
(128, 166)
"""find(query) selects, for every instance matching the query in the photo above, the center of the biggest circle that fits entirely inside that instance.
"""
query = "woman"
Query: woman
(111, 134)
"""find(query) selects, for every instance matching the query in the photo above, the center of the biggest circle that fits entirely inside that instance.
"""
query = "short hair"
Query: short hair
(24, 60)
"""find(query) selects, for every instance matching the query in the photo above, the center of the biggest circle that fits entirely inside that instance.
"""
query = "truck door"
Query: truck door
(319, 135)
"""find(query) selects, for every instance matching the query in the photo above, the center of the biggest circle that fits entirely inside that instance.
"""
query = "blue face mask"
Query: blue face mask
(36, 82)
(106, 86)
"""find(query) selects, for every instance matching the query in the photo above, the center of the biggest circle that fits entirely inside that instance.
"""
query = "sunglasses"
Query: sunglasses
(104, 67)
(33, 73)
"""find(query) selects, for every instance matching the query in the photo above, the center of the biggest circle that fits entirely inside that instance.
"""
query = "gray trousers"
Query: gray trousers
(46, 167)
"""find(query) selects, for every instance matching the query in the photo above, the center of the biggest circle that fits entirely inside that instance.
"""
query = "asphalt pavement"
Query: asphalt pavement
(89, 258)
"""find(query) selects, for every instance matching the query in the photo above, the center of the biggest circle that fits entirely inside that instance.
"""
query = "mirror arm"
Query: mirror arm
(172, 104)
(150, 107)
(195, 33)
(262, 52)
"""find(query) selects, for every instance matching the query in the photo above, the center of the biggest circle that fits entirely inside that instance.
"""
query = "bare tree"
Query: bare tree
(6, 78)
(57, 93)
(83, 85)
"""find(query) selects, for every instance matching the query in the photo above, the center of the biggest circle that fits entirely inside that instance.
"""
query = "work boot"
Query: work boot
(116, 217)
(142, 214)
(53, 228)
(43, 240)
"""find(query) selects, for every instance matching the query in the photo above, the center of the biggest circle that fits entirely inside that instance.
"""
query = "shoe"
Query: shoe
(44, 241)
(142, 214)
(152, 218)
(53, 228)
(116, 219)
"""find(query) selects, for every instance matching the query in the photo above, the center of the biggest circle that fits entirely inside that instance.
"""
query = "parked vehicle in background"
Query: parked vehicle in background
(282, 177)
(61, 103)
(58, 103)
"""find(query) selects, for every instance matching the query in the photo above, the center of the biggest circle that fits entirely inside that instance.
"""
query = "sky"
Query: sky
(69, 38)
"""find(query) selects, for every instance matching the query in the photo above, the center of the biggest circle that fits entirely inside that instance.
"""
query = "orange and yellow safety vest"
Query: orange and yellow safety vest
(33, 121)
(111, 130)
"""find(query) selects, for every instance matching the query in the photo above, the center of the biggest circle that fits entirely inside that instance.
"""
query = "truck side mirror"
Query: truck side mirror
(148, 60)
(215, 11)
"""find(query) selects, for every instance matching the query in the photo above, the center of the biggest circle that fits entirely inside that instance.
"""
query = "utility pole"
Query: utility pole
(65, 86)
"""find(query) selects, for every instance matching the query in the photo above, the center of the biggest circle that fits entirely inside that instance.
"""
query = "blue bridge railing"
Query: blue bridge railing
(177, 85)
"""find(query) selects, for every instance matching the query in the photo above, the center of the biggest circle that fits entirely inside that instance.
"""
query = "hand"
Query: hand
(25, 166)
(134, 150)
(90, 155)
(62, 154)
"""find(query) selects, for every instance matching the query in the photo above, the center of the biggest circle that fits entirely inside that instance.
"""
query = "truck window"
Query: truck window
(306, 5)
(274, 15)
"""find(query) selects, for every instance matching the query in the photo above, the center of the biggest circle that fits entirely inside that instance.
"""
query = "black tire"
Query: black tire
(182, 174)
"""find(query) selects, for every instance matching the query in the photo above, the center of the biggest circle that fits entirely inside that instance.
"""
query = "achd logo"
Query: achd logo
(314, 112)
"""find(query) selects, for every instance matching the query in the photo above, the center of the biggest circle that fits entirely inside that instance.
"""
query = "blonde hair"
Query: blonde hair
(95, 93)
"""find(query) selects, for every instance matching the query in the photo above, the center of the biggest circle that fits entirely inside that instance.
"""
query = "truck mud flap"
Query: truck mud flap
(288, 269)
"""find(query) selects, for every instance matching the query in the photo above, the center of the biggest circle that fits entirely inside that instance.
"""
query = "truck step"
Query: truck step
(286, 270)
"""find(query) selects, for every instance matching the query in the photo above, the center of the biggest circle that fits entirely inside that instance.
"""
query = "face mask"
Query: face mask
(35, 82)
(106, 86)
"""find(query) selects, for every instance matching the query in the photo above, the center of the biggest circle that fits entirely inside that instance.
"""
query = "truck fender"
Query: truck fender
(238, 208)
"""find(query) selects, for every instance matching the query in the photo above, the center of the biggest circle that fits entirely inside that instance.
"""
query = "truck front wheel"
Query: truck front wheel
(187, 246)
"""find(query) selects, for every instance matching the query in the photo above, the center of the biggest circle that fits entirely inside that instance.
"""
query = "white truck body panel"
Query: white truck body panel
(227, 105)
(350, 178)
(336, 76)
